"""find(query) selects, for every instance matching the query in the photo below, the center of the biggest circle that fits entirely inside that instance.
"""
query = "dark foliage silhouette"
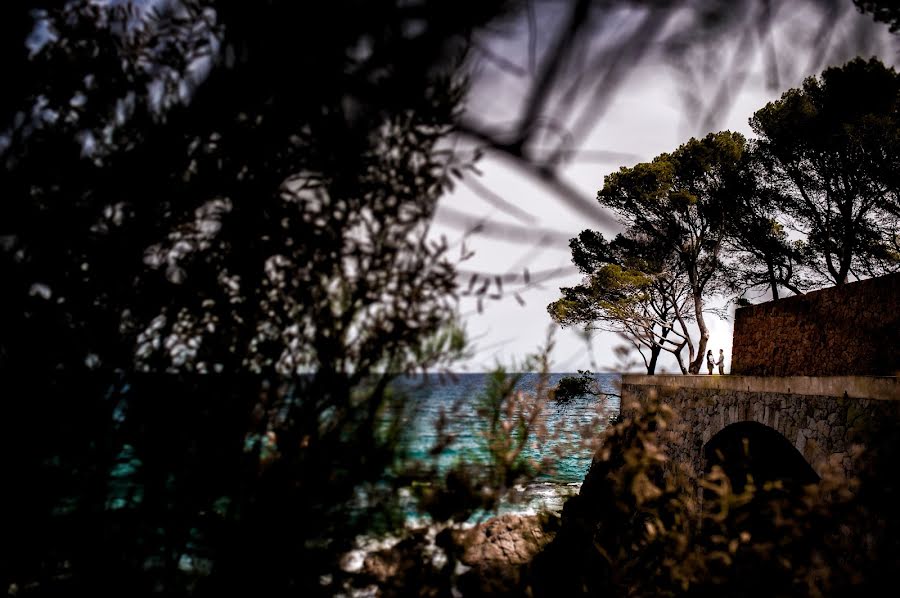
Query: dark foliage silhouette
(639, 526)
(215, 259)
(830, 151)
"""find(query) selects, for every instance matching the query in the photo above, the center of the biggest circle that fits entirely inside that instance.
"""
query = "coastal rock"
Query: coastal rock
(499, 551)
(491, 557)
(503, 540)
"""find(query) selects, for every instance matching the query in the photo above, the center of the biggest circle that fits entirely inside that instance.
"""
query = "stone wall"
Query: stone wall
(823, 428)
(848, 330)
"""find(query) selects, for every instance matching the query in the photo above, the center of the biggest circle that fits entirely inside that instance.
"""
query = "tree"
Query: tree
(830, 150)
(761, 253)
(680, 203)
(203, 200)
(883, 11)
(629, 291)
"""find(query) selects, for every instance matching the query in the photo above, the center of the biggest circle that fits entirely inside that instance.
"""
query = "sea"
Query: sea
(574, 429)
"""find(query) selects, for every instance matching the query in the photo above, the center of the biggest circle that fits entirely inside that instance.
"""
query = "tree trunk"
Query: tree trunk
(835, 274)
(654, 355)
(655, 351)
(680, 363)
(844, 271)
(773, 282)
(704, 333)
(687, 341)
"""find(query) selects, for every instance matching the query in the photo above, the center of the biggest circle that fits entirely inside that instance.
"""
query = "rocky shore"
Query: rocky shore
(492, 556)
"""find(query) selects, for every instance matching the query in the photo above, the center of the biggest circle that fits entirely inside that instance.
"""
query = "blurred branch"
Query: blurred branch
(497, 200)
(547, 76)
(498, 230)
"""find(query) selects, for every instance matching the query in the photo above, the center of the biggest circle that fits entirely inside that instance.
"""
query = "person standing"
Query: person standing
(710, 362)
(721, 362)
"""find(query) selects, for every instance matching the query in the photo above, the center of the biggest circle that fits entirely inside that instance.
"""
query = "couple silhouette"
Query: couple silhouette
(711, 362)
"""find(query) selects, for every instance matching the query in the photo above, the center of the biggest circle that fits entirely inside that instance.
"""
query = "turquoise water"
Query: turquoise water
(574, 429)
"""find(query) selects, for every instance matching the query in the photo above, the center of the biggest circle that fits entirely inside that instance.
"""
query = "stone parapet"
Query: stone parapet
(861, 387)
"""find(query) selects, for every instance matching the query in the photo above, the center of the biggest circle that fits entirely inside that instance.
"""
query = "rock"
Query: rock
(493, 557)
(503, 540)
(499, 550)
(383, 565)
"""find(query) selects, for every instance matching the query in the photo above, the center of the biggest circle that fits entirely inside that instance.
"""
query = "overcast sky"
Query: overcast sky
(653, 106)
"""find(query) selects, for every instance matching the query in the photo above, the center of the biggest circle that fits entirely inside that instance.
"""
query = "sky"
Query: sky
(655, 104)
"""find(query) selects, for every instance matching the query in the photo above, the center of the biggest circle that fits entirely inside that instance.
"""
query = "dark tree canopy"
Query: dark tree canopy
(761, 254)
(884, 11)
(813, 200)
(830, 151)
(631, 288)
(682, 201)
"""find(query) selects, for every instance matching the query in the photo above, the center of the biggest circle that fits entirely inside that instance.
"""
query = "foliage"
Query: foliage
(829, 151)
(815, 199)
(224, 205)
(630, 288)
(761, 255)
(640, 528)
(681, 202)
(883, 11)
(512, 430)
(574, 387)
(247, 212)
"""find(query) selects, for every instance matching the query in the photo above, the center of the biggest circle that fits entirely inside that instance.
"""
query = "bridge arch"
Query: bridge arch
(751, 448)
(824, 419)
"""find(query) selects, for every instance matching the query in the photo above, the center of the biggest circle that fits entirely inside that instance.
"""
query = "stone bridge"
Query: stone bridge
(812, 376)
(794, 424)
